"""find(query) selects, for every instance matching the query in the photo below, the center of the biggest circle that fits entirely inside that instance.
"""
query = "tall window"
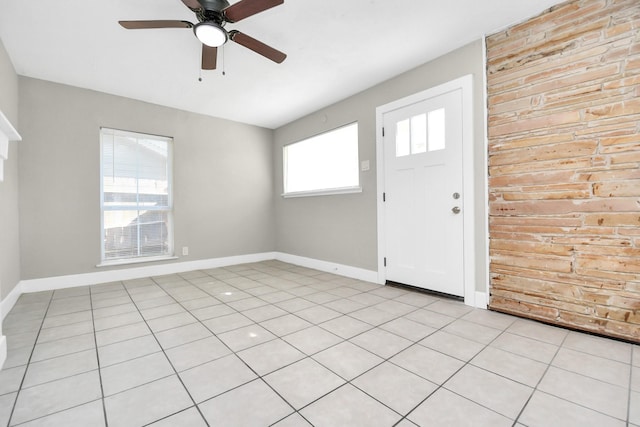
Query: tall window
(326, 163)
(136, 196)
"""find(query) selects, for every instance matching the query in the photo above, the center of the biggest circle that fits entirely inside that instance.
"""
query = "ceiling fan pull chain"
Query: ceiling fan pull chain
(223, 62)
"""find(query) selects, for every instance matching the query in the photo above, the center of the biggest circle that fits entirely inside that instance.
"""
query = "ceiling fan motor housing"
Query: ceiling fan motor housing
(212, 11)
(215, 5)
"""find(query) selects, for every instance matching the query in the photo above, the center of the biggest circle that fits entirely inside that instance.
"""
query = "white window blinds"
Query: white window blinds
(135, 195)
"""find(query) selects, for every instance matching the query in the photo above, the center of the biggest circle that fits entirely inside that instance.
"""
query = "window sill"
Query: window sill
(329, 192)
(135, 260)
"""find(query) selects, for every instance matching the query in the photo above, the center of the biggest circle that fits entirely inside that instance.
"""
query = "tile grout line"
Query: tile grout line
(550, 365)
(397, 316)
(559, 346)
(349, 382)
(175, 295)
(276, 338)
(26, 370)
(259, 377)
(503, 331)
(95, 341)
(441, 386)
(629, 401)
(53, 380)
(535, 388)
(416, 308)
(167, 358)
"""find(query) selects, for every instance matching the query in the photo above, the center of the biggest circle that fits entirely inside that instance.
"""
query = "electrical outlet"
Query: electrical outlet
(185, 250)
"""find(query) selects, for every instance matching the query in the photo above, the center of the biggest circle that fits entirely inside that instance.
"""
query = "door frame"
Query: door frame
(465, 83)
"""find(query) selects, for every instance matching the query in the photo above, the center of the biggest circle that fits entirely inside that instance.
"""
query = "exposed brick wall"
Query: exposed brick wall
(564, 166)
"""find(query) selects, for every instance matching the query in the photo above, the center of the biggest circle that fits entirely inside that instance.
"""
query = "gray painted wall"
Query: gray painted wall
(223, 178)
(9, 218)
(227, 176)
(343, 228)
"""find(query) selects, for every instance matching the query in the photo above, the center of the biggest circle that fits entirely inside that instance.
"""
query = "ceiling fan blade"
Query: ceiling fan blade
(246, 8)
(257, 46)
(209, 57)
(139, 25)
(192, 4)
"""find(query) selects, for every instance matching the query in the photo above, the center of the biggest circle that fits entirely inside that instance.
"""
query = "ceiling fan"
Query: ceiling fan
(212, 16)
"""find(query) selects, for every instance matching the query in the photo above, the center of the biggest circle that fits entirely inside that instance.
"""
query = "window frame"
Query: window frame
(322, 191)
(104, 131)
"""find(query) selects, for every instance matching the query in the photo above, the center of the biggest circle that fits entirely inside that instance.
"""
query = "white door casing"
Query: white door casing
(434, 175)
(423, 200)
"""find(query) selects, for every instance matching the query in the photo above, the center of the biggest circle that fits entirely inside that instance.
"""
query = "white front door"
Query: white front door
(423, 192)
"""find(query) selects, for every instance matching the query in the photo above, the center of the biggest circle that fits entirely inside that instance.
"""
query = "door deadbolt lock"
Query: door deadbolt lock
(456, 196)
(455, 210)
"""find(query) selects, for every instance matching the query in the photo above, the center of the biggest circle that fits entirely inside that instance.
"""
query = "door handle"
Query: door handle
(455, 210)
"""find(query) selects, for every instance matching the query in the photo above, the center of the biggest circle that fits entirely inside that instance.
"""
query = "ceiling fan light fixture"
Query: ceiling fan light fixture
(210, 33)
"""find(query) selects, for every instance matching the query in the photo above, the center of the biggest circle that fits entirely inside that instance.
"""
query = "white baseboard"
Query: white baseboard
(3, 350)
(330, 267)
(481, 300)
(75, 280)
(10, 300)
(85, 279)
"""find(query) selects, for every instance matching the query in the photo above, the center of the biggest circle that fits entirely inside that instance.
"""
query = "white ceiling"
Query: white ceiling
(335, 48)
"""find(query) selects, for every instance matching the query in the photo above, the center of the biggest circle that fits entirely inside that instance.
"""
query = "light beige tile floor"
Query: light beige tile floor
(275, 344)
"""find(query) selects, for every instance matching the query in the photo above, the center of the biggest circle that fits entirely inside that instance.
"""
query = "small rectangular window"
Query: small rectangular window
(136, 200)
(411, 136)
(436, 130)
(415, 133)
(323, 164)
